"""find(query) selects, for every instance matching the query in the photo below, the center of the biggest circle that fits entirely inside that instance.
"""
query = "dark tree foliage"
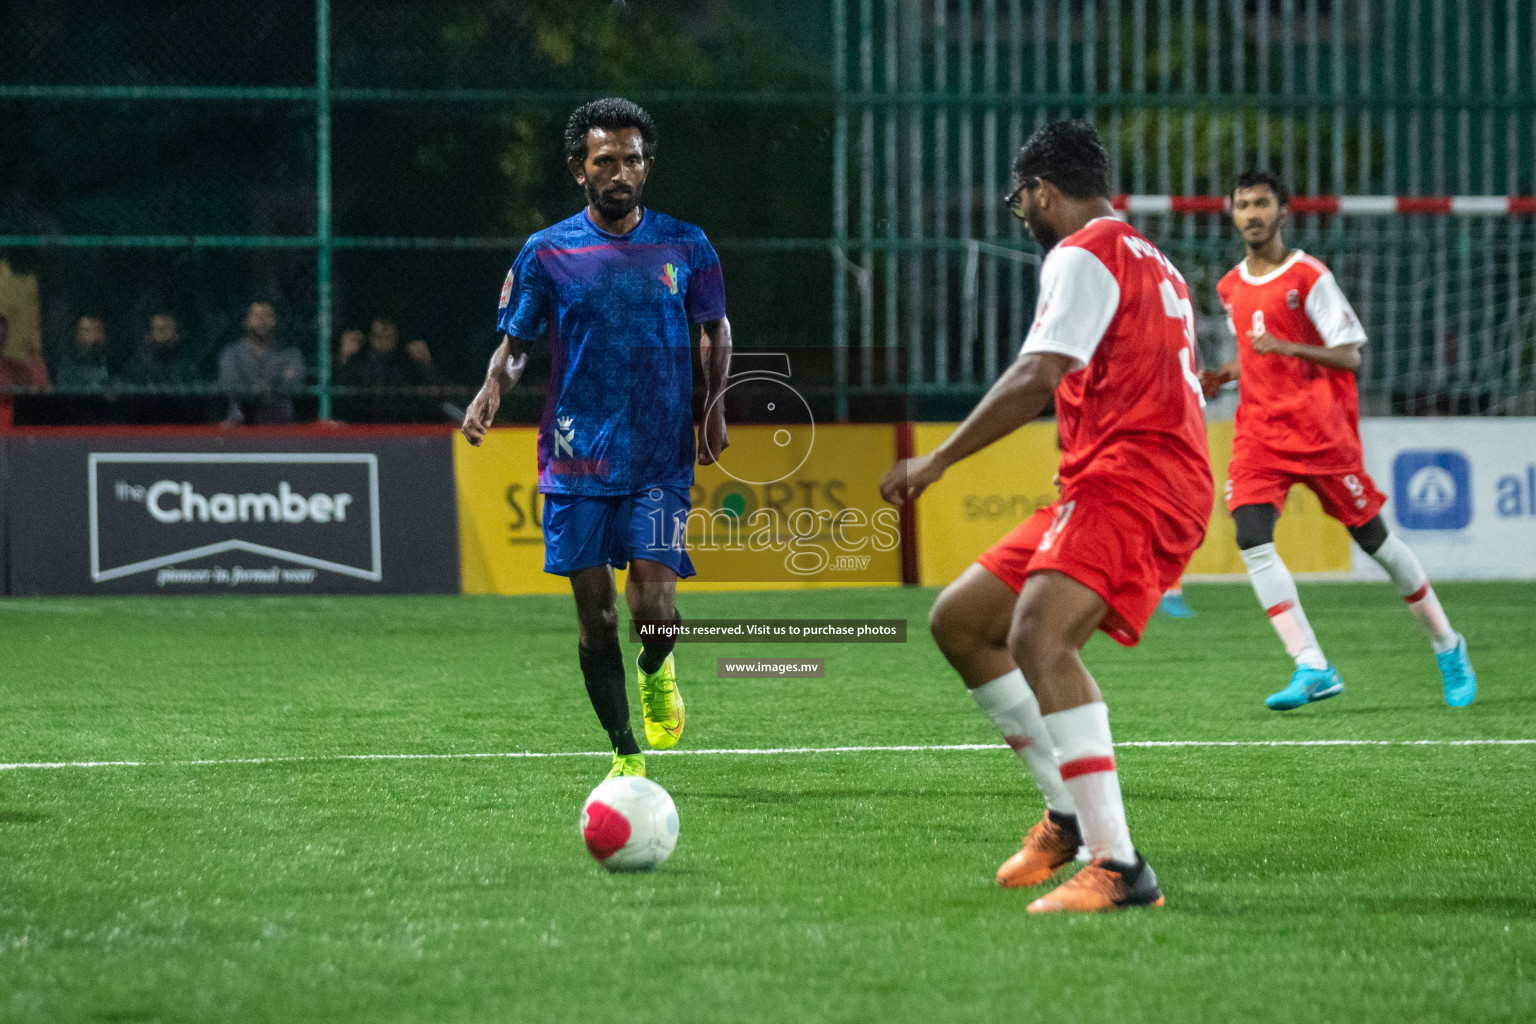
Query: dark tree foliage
(454, 167)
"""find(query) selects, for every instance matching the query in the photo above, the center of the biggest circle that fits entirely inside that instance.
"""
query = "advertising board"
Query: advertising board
(1461, 492)
(982, 498)
(768, 515)
(202, 512)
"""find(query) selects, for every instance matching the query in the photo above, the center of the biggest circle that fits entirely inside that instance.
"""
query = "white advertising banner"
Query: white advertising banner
(1462, 493)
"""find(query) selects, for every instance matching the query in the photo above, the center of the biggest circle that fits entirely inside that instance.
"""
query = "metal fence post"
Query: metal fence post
(323, 204)
(840, 209)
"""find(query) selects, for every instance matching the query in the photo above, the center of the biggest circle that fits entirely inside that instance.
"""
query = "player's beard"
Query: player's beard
(1044, 236)
(1263, 237)
(614, 207)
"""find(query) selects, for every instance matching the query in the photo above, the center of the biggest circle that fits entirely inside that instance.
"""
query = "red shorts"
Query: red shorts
(1128, 554)
(1350, 497)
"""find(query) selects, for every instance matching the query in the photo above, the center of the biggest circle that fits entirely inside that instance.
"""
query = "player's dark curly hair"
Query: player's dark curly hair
(1253, 179)
(1070, 156)
(611, 113)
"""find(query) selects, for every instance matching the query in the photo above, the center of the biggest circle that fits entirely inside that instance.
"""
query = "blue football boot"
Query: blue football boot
(1456, 672)
(1306, 686)
(1173, 604)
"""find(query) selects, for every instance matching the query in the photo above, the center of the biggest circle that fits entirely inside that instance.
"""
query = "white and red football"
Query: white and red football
(629, 824)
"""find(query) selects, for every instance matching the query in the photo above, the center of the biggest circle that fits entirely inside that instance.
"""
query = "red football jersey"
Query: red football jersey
(1130, 416)
(1293, 414)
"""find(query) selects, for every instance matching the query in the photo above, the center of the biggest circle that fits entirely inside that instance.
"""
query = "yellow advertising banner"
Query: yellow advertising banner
(1307, 538)
(501, 545)
(22, 309)
(787, 506)
(982, 498)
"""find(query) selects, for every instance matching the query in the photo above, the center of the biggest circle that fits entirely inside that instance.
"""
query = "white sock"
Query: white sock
(1404, 568)
(1011, 705)
(1276, 589)
(1087, 755)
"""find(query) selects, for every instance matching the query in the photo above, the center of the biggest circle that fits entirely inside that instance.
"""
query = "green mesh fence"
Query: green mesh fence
(351, 160)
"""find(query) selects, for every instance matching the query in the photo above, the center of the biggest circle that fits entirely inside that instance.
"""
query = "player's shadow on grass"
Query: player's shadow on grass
(1141, 791)
(671, 869)
(1399, 707)
(1339, 904)
(782, 796)
(1502, 700)
(1522, 907)
(1393, 709)
(22, 817)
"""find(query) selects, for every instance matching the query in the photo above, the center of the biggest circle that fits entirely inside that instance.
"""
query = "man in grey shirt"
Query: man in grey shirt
(259, 377)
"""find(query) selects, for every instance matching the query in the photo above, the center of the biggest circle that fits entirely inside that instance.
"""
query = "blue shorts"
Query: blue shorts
(581, 531)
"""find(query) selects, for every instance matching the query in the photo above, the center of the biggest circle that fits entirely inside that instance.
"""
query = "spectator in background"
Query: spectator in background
(257, 375)
(159, 363)
(28, 373)
(421, 356)
(83, 366)
(388, 365)
(347, 374)
(352, 363)
(380, 371)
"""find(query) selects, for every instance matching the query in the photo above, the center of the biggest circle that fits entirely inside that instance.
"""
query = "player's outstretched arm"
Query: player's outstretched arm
(1335, 357)
(715, 361)
(1017, 397)
(507, 364)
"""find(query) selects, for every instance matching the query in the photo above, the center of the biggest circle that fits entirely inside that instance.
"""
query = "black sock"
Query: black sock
(603, 670)
(655, 651)
(1064, 820)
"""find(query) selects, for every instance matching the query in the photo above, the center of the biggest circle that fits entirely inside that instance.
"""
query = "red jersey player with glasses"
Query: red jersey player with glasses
(1298, 421)
(1113, 342)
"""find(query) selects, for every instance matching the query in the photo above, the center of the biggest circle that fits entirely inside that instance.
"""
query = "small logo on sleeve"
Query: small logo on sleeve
(668, 277)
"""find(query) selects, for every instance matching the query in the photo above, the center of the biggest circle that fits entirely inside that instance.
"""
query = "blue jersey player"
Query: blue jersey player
(614, 292)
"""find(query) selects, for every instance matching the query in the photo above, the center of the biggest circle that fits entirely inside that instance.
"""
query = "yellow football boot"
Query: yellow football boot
(627, 764)
(662, 706)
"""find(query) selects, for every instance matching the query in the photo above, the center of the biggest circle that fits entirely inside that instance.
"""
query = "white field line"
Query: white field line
(745, 751)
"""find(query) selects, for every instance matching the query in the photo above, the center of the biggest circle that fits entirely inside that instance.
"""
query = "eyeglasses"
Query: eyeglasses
(1014, 200)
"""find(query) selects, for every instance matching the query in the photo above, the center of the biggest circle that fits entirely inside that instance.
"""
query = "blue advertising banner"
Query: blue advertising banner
(1463, 493)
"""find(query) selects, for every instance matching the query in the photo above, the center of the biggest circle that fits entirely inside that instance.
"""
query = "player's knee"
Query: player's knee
(1034, 643)
(655, 607)
(1253, 538)
(1255, 525)
(943, 623)
(1370, 536)
(599, 626)
(955, 631)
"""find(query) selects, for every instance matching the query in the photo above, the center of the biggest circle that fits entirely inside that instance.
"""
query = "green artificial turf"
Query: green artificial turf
(1304, 883)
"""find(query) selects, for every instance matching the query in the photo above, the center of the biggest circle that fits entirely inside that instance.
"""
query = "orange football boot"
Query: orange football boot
(1104, 885)
(1050, 843)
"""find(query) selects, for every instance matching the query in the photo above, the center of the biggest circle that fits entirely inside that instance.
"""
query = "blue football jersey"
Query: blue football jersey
(616, 312)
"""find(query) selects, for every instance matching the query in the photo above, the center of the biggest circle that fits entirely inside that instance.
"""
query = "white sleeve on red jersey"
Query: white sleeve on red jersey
(1078, 299)
(1222, 290)
(1332, 315)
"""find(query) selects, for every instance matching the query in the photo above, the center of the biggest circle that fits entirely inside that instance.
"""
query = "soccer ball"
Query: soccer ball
(629, 824)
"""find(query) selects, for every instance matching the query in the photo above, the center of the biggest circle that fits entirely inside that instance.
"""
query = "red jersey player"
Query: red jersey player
(1113, 341)
(1298, 421)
